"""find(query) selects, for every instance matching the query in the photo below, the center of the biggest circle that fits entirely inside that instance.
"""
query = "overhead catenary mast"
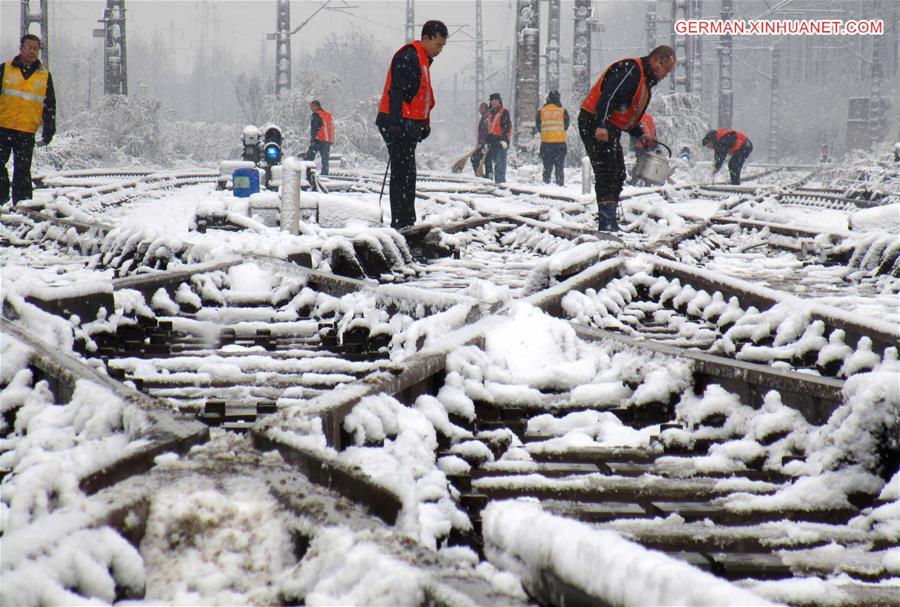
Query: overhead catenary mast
(650, 24)
(35, 12)
(479, 55)
(581, 51)
(726, 90)
(775, 106)
(410, 20)
(115, 60)
(527, 84)
(282, 37)
(553, 45)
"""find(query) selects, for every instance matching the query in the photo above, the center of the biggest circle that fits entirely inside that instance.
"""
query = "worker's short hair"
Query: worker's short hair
(434, 29)
(315, 102)
(29, 37)
(662, 53)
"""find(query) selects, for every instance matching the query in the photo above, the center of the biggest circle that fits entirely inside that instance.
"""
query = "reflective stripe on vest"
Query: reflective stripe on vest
(326, 131)
(494, 126)
(623, 118)
(420, 106)
(649, 129)
(740, 139)
(553, 124)
(22, 100)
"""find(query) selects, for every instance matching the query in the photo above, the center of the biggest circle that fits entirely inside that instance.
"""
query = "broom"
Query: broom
(460, 164)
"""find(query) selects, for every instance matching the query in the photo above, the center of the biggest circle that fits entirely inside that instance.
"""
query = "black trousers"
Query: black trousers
(402, 152)
(22, 147)
(607, 159)
(324, 150)
(736, 164)
(554, 157)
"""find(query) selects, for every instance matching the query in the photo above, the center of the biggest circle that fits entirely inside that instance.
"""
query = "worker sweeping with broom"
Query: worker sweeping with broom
(404, 116)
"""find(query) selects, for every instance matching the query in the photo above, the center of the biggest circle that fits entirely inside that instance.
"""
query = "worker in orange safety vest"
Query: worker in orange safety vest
(321, 134)
(725, 142)
(614, 104)
(404, 116)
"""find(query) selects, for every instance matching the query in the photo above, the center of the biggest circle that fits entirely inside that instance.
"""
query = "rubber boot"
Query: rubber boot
(606, 213)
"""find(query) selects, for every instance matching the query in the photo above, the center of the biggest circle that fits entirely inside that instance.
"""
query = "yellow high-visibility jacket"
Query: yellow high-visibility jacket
(21, 100)
(553, 129)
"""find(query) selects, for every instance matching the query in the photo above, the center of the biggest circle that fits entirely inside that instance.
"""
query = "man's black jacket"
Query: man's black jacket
(483, 127)
(49, 116)
(406, 77)
(315, 123)
(617, 91)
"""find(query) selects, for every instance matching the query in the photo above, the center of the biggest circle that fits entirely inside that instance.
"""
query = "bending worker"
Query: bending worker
(725, 142)
(614, 104)
(404, 116)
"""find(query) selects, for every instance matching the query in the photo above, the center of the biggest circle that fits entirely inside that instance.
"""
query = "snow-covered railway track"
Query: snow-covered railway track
(191, 337)
(140, 475)
(707, 479)
(684, 306)
(425, 408)
(93, 191)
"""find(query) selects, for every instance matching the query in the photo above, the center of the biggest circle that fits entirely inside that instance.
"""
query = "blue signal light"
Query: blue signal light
(272, 152)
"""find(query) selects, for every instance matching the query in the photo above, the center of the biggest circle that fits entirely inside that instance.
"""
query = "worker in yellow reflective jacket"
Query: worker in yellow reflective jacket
(27, 100)
(552, 121)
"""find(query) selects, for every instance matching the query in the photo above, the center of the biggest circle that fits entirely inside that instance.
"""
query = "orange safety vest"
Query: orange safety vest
(326, 131)
(494, 127)
(22, 100)
(739, 142)
(623, 118)
(649, 129)
(553, 124)
(420, 106)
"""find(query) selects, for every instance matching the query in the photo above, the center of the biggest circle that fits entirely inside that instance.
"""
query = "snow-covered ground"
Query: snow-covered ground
(226, 523)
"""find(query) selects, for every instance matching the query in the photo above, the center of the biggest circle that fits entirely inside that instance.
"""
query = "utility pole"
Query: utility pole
(726, 90)
(581, 52)
(35, 11)
(479, 55)
(410, 20)
(526, 93)
(553, 37)
(775, 106)
(115, 59)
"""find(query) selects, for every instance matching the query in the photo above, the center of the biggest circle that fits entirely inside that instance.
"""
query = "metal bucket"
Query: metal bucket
(653, 167)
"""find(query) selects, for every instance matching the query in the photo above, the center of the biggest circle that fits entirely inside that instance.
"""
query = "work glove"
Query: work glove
(45, 140)
(426, 131)
(504, 145)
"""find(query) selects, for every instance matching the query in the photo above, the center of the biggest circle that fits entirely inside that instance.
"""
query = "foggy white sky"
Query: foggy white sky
(243, 24)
